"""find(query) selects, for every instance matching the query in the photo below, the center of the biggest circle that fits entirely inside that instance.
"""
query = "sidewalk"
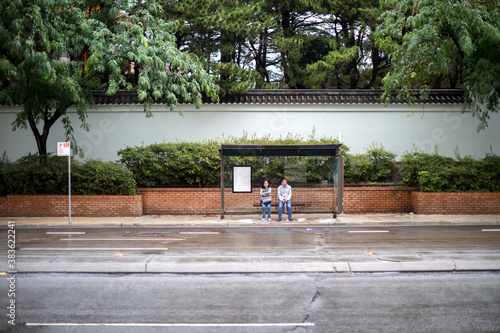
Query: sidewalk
(250, 220)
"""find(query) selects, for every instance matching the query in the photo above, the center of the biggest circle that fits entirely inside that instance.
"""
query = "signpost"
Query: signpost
(64, 149)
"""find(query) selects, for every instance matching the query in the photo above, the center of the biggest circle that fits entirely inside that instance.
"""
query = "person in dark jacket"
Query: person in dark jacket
(265, 200)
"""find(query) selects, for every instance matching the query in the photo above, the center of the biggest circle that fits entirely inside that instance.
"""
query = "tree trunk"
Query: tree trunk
(376, 61)
(41, 138)
(287, 33)
(226, 56)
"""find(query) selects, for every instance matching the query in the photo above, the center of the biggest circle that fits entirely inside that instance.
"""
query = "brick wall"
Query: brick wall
(4, 208)
(165, 201)
(162, 201)
(377, 199)
(207, 200)
(81, 205)
(171, 201)
(455, 203)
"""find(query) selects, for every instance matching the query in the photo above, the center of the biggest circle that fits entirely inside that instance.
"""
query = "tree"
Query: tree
(273, 44)
(435, 43)
(54, 53)
(217, 31)
(353, 61)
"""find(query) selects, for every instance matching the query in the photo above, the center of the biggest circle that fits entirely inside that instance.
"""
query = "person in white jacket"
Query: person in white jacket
(284, 197)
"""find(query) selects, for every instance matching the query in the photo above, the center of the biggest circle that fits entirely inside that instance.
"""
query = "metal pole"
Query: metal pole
(340, 186)
(69, 185)
(221, 185)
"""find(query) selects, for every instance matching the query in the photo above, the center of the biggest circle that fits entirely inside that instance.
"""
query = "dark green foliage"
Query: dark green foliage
(4, 164)
(34, 174)
(356, 168)
(435, 173)
(103, 178)
(198, 163)
(438, 43)
(285, 43)
(182, 163)
(53, 54)
(378, 164)
(48, 174)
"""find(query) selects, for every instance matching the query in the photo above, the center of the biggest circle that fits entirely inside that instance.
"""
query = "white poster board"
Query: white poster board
(242, 179)
(63, 149)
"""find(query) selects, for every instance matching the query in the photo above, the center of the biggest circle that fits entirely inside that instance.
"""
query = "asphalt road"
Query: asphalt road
(256, 249)
(277, 279)
(257, 303)
(273, 240)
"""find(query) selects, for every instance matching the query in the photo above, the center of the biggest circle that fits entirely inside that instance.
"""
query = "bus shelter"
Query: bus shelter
(242, 174)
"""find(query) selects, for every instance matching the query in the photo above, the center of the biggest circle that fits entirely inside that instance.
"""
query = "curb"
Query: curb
(221, 265)
(257, 225)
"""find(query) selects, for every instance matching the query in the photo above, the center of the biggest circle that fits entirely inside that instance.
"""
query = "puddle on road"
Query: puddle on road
(400, 258)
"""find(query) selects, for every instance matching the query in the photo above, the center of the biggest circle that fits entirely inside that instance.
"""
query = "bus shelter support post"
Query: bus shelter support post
(221, 185)
(340, 186)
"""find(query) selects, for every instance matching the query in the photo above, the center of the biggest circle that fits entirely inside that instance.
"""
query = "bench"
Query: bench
(298, 204)
(275, 204)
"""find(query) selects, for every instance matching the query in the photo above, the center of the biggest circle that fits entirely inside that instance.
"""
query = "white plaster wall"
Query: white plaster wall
(116, 126)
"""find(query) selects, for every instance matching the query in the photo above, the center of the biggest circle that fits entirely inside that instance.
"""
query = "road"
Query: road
(257, 249)
(272, 240)
(259, 303)
(276, 279)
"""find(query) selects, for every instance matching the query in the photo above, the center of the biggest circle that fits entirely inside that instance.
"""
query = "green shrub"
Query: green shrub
(198, 163)
(182, 163)
(96, 177)
(378, 164)
(435, 173)
(383, 163)
(34, 174)
(48, 174)
(4, 165)
(356, 168)
(490, 172)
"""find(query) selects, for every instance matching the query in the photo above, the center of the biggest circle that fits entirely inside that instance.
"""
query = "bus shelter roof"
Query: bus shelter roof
(280, 150)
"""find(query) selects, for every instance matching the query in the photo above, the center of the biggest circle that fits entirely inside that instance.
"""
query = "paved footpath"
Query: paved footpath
(292, 262)
(247, 220)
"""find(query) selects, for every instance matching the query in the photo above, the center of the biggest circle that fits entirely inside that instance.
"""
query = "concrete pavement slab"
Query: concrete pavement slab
(429, 266)
(236, 264)
(464, 265)
(111, 264)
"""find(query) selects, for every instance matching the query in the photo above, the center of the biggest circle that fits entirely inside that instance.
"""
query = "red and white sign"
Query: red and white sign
(63, 149)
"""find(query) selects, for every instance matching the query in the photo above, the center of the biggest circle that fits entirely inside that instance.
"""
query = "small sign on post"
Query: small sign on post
(64, 149)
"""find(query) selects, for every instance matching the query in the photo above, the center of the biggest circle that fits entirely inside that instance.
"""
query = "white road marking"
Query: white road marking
(93, 249)
(199, 233)
(177, 324)
(490, 229)
(366, 231)
(66, 233)
(123, 239)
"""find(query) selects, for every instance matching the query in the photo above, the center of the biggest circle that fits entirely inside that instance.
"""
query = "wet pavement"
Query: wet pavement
(239, 244)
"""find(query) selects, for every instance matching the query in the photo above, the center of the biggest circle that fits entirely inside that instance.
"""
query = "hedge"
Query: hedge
(198, 163)
(48, 174)
(436, 173)
(377, 165)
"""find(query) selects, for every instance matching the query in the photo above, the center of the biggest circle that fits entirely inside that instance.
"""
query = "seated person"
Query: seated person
(284, 196)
